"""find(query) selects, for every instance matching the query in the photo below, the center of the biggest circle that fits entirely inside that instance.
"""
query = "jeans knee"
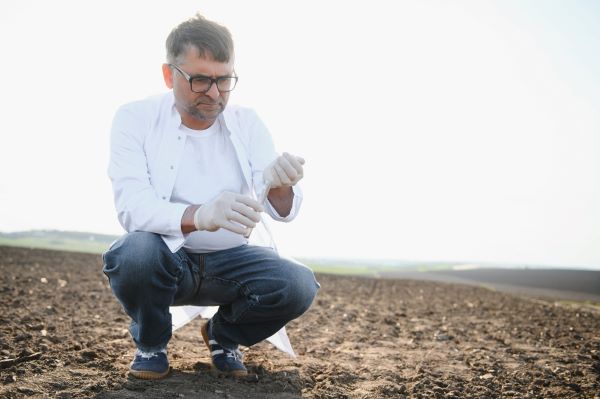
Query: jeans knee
(129, 262)
(302, 289)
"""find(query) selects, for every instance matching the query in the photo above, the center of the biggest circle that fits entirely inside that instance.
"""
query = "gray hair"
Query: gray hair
(209, 38)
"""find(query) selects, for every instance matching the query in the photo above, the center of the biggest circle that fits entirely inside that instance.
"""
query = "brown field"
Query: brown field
(63, 334)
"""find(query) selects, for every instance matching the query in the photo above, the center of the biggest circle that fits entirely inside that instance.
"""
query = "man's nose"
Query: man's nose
(213, 91)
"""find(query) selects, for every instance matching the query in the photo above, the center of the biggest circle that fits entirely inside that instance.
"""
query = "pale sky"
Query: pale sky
(464, 131)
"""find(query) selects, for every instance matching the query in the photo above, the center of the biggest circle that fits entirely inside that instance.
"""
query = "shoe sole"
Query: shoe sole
(148, 375)
(213, 369)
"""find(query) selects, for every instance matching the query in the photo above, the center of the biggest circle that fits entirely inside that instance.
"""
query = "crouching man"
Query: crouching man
(186, 171)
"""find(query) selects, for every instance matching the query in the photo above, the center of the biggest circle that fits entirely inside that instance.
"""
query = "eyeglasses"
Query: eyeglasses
(202, 84)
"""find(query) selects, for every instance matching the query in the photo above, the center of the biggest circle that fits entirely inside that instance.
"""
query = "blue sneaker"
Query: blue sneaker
(150, 365)
(225, 362)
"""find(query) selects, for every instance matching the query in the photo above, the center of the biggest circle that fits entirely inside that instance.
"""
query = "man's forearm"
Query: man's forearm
(187, 220)
(282, 200)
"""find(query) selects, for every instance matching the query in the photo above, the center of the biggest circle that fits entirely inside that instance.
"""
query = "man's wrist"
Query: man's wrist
(187, 220)
(281, 199)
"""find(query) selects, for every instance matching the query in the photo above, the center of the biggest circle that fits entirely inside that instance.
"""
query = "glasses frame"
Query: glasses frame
(212, 80)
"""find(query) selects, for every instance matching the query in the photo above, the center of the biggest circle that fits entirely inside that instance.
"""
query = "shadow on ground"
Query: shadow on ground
(200, 383)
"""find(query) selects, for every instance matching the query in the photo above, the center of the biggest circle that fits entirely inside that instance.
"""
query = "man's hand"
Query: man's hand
(234, 212)
(285, 171)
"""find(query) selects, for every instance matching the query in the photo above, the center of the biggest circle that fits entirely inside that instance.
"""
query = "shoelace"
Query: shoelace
(149, 355)
(231, 353)
(236, 354)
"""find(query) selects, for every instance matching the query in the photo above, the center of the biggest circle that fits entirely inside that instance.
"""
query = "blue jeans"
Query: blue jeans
(257, 291)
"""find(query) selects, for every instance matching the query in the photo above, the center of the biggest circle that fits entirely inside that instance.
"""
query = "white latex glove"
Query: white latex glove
(286, 170)
(231, 211)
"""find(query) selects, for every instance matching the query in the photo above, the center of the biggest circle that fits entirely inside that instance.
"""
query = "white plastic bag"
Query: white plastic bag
(181, 315)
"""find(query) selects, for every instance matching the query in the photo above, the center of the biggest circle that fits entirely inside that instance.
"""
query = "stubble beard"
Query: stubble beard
(198, 114)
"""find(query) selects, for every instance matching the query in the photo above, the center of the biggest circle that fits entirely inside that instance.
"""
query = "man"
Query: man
(186, 169)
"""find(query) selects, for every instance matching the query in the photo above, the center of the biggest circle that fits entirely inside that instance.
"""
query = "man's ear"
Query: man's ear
(167, 75)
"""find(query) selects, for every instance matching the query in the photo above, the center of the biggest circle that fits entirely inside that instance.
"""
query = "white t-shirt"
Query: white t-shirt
(209, 166)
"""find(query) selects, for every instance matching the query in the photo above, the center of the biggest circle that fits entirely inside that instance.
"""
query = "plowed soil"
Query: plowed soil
(63, 334)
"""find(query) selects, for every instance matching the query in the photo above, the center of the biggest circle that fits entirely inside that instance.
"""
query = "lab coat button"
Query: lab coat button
(172, 167)
(164, 198)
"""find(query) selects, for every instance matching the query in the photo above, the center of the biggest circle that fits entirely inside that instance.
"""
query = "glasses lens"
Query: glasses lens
(200, 85)
(226, 83)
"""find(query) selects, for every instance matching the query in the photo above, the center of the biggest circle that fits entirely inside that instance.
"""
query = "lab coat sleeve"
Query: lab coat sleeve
(138, 205)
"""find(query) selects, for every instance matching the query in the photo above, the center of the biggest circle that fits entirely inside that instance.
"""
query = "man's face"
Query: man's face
(198, 110)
